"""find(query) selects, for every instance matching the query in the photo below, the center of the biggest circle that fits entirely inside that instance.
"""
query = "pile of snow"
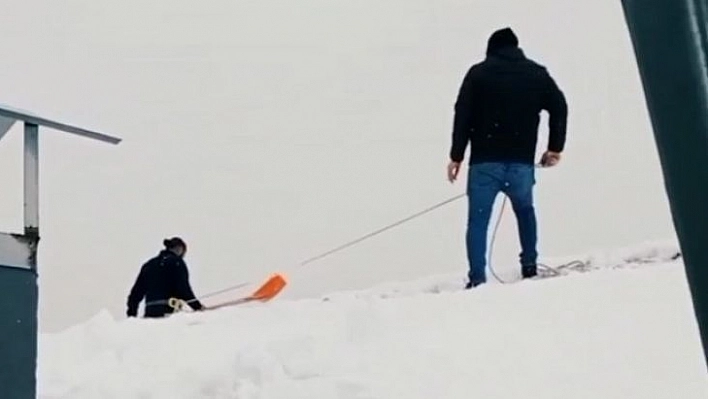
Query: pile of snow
(625, 330)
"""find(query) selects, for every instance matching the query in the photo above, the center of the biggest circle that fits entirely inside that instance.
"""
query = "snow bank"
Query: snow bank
(647, 253)
(626, 333)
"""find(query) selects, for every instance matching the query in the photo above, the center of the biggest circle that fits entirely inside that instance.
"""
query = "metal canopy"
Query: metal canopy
(8, 114)
(5, 125)
(19, 294)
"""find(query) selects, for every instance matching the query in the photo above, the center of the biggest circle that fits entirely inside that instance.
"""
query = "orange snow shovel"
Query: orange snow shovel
(270, 288)
(265, 293)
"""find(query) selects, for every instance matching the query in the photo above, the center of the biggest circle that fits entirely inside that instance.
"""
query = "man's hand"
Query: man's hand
(453, 168)
(550, 158)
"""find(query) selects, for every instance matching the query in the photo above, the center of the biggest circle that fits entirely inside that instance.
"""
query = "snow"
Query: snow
(622, 327)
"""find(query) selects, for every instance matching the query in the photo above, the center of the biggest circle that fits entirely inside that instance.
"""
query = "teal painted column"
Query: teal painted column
(671, 47)
(18, 329)
(19, 294)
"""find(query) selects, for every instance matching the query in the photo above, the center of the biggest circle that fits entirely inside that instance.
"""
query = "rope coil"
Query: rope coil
(556, 271)
(176, 304)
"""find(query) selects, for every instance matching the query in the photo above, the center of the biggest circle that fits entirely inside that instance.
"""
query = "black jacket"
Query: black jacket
(498, 109)
(161, 278)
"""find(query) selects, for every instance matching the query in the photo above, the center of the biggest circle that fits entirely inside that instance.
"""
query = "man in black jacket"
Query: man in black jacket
(498, 112)
(161, 278)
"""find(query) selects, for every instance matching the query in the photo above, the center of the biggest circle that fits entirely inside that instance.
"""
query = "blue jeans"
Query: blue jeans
(485, 181)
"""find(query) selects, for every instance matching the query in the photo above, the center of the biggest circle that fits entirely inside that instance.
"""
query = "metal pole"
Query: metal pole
(31, 180)
(671, 47)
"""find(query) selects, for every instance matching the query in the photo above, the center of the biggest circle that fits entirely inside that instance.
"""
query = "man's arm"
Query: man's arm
(557, 107)
(137, 292)
(185, 289)
(463, 119)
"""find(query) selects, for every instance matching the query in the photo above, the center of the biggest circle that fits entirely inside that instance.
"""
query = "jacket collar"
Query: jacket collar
(508, 54)
(165, 253)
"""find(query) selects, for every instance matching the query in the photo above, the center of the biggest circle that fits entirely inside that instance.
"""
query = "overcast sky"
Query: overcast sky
(267, 132)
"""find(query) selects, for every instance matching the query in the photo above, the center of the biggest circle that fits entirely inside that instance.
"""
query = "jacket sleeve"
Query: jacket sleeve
(462, 120)
(137, 292)
(555, 103)
(184, 288)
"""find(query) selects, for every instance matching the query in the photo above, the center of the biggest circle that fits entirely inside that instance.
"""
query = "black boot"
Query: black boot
(471, 285)
(528, 271)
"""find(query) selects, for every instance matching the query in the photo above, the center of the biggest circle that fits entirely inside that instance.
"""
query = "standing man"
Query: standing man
(498, 112)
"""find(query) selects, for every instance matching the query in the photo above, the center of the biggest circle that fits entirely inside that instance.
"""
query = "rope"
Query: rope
(178, 305)
(552, 270)
(227, 289)
(358, 240)
(491, 244)
(379, 231)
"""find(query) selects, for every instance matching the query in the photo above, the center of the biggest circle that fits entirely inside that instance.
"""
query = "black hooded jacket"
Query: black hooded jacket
(161, 278)
(499, 104)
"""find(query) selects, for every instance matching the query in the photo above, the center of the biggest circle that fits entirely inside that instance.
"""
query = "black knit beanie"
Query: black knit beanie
(501, 39)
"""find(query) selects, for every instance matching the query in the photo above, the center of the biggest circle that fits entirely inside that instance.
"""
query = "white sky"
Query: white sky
(267, 132)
